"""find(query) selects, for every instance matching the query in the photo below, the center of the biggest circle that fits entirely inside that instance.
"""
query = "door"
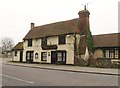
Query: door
(21, 56)
(53, 57)
(29, 56)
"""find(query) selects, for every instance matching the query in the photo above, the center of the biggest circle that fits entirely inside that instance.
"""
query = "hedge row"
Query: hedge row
(99, 62)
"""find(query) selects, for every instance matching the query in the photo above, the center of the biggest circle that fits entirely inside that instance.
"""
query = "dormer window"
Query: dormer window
(29, 42)
(62, 39)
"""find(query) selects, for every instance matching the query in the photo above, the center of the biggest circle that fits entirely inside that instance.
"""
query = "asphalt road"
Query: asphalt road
(25, 76)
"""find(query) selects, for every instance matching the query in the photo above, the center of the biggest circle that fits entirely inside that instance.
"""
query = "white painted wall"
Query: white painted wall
(16, 58)
(69, 47)
(86, 55)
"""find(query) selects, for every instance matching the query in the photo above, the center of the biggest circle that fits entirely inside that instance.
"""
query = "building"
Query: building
(17, 54)
(64, 43)
(107, 46)
(55, 43)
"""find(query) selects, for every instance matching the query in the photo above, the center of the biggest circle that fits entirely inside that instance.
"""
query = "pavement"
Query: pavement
(70, 68)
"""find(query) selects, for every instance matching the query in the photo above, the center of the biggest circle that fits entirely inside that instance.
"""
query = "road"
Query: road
(25, 76)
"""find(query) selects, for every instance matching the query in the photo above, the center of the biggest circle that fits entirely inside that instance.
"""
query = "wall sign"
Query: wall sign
(49, 47)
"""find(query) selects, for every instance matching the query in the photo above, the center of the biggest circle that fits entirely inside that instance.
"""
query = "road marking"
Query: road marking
(17, 79)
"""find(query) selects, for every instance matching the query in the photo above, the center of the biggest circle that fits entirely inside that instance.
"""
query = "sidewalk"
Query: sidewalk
(69, 68)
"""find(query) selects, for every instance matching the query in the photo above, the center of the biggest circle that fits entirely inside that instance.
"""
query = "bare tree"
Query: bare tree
(7, 45)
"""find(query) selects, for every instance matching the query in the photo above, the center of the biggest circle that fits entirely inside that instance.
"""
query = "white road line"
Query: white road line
(18, 79)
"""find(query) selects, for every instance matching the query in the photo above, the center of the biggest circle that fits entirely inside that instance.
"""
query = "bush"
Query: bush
(82, 62)
(99, 62)
(92, 61)
(115, 65)
(103, 62)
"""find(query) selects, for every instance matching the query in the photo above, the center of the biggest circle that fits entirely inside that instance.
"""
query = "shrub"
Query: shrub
(91, 61)
(115, 65)
(82, 62)
(103, 62)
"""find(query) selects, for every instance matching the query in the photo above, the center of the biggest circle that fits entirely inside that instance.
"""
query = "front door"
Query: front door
(53, 57)
(29, 56)
(21, 56)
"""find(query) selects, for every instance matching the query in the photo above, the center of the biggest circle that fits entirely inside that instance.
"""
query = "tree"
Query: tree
(7, 45)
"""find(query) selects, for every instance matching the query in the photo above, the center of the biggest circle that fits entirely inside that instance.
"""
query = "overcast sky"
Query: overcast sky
(16, 15)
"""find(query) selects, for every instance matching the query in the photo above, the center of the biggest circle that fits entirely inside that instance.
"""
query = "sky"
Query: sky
(16, 15)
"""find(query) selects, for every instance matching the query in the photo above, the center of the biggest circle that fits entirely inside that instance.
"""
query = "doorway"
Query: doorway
(53, 57)
(29, 56)
(21, 56)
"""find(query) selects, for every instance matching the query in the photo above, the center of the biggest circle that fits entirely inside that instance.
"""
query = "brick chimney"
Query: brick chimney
(83, 24)
(84, 28)
(32, 25)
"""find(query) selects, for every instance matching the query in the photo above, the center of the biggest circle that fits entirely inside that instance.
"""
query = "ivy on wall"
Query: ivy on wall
(90, 44)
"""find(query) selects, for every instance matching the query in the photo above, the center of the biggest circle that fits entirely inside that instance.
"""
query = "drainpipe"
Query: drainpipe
(75, 48)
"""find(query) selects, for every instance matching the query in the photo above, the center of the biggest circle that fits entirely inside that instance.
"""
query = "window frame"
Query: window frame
(29, 42)
(116, 53)
(61, 39)
(15, 53)
(112, 53)
(59, 56)
(42, 56)
(44, 41)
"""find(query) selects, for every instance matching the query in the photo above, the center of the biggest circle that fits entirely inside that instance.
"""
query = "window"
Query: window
(15, 53)
(62, 39)
(116, 54)
(44, 41)
(107, 53)
(59, 55)
(44, 56)
(111, 53)
(29, 42)
(119, 53)
(64, 56)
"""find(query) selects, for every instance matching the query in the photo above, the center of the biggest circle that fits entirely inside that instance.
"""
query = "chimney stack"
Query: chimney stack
(83, 24)
(84, 13)
(32, 25)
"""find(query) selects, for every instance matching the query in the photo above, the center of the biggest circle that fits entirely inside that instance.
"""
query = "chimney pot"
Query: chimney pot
(32, 25)
(85, 7)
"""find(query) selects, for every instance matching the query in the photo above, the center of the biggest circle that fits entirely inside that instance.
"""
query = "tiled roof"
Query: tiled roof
(58, 28)
(19, 46)
(107, 40)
